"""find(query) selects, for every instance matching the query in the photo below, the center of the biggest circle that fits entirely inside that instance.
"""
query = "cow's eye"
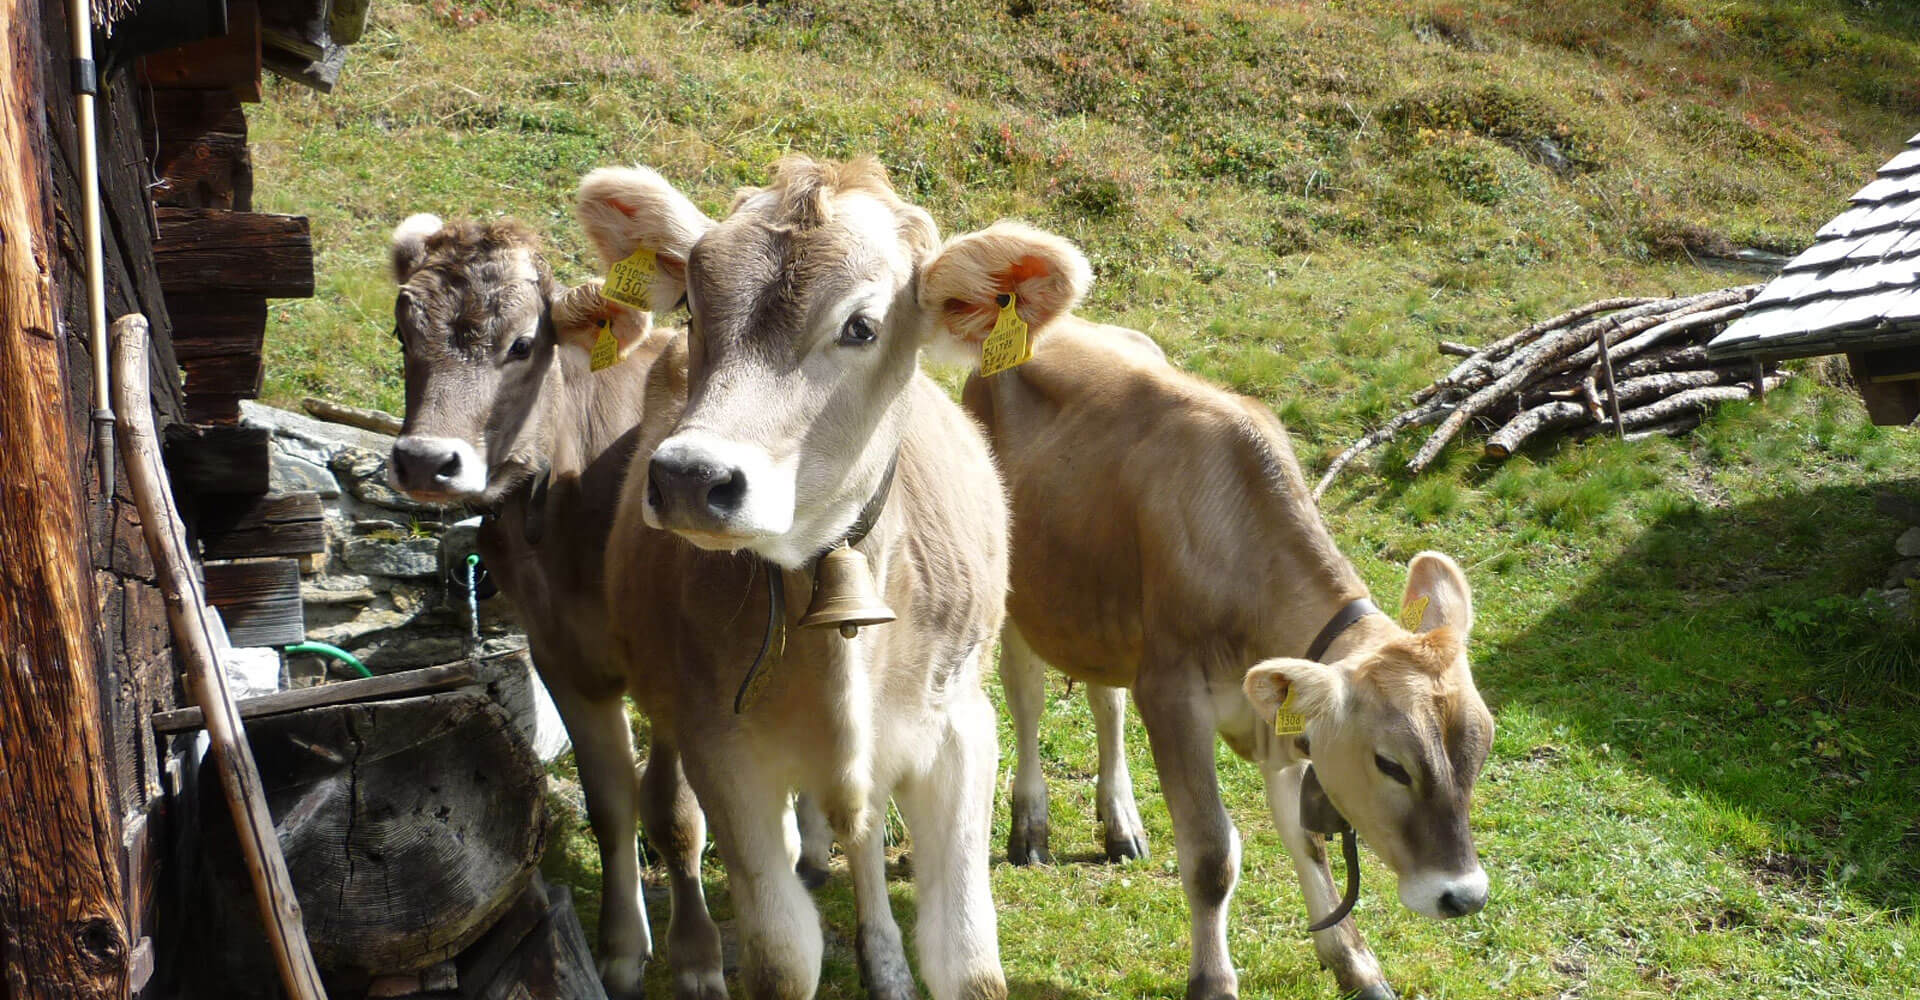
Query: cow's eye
(858, 330)
(1392, 770)
(520, 349)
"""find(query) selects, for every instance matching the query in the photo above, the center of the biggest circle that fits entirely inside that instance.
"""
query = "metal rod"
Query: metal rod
(86, 83)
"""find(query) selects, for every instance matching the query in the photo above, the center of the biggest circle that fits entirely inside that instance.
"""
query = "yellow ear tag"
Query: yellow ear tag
(606, 349)
(1286, 721)
(630, 280)
(1008, 344)
(1411, 615)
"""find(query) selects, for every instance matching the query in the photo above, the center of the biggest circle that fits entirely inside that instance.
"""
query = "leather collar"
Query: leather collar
(1342, 620)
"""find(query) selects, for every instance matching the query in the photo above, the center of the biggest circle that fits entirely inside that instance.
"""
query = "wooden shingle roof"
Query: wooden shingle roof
(1857, 287)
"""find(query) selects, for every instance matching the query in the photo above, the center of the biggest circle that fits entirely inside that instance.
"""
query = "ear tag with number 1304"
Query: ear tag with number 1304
(629, 280)
(1008, 345)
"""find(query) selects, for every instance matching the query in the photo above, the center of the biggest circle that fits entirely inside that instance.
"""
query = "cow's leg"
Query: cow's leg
(603, 750)
(949, 809)
(780, 942)
(1024, 676)
(883, 957)
(816, 841)
(1341, 948)
(678, 831)
(1180, 727)
(1113, 803)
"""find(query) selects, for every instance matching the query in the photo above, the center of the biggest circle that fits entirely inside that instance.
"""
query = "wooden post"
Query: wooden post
(62, 920)
(232, 757)
(1613, 392)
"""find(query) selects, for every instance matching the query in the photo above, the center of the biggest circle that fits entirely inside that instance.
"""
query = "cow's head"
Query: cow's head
(1398, 734)
(809, 307)
(488, 341)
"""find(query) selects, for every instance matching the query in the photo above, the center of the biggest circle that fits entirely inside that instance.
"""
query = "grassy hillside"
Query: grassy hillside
(1708, 762)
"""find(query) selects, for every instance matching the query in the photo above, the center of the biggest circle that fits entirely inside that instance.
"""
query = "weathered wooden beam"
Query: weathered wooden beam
(377, 421)
(258, 600)
(240, 253)
(201, 158)
(213, 325)
(425, 680)
(206, 460)
(61, 903)
(249, 527)
(230, 62)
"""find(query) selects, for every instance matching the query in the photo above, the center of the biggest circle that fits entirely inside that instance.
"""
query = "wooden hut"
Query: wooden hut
(1856, 291)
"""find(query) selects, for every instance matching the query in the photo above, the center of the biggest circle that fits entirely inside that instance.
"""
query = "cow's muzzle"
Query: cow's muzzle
(436, 468)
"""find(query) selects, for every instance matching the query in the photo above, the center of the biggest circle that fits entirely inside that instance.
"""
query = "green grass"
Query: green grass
(1708, 764)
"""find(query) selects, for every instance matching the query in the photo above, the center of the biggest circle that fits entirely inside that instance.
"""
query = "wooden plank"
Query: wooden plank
(243, 253)
(215, 325)
(237, 375)
(230, 62)
(206, 460)
(426, 680)
(213, 410)
(259, 601)
(246, 527)
(1889, 402)
(61, 902)
(201, 157)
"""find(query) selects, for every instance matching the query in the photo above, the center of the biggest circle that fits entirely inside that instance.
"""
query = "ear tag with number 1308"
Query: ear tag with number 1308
(1008, 345)
(1286, 721)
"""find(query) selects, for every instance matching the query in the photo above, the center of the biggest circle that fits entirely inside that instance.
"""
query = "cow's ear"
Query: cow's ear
(630, 209)
(1307, 688)
(410, 244)
(971, 278)
(1437, 594)
(580, 312)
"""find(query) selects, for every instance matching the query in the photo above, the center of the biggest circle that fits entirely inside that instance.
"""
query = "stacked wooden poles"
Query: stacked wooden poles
(1631, 366)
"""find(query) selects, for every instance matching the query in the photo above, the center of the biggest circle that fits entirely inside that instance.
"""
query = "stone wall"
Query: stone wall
(391, 586)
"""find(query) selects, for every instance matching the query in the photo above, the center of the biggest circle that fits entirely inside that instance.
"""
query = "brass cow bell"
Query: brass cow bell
(843, 594)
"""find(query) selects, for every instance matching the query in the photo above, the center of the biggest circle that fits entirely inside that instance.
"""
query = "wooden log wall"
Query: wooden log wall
(63, 927)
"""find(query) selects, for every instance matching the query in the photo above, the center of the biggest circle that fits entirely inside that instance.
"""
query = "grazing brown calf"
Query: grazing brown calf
(809, 426)
(503, 413)
(1164, 541)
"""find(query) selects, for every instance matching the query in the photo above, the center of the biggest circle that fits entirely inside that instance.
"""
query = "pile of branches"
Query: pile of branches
(1627, 366)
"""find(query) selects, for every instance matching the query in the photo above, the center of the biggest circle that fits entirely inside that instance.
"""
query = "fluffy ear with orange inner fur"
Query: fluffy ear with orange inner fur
(578, 312)
(962, 285)
(624, 209)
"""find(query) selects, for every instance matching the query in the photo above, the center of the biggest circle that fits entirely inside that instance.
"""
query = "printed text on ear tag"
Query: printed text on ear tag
(1411, 615)
(1286, 721)
(629, 280)
(1008, 344)
(606, 350)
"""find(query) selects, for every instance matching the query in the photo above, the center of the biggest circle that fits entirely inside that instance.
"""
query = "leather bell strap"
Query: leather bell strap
(1342, 620)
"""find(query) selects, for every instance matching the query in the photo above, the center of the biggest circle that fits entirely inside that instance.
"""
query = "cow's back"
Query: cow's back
(1147, 504)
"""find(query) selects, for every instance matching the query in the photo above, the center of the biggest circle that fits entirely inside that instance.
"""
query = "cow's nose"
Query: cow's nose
(421, 463)
(693, 485)
(1460, 901)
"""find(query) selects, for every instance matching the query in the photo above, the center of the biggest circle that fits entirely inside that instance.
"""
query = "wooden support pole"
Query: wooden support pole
(1613, 391)
(207, 683)
(62, 916)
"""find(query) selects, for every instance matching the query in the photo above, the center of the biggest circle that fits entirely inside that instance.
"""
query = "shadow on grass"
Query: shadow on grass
(1726, 653)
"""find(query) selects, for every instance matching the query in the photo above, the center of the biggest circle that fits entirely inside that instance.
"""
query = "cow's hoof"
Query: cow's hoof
(1027, 843)
(699, 986)
(1209, 988)
(811, 875)
(1375, 991)
(623, 978)
(883, 970)
(1126, 847)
